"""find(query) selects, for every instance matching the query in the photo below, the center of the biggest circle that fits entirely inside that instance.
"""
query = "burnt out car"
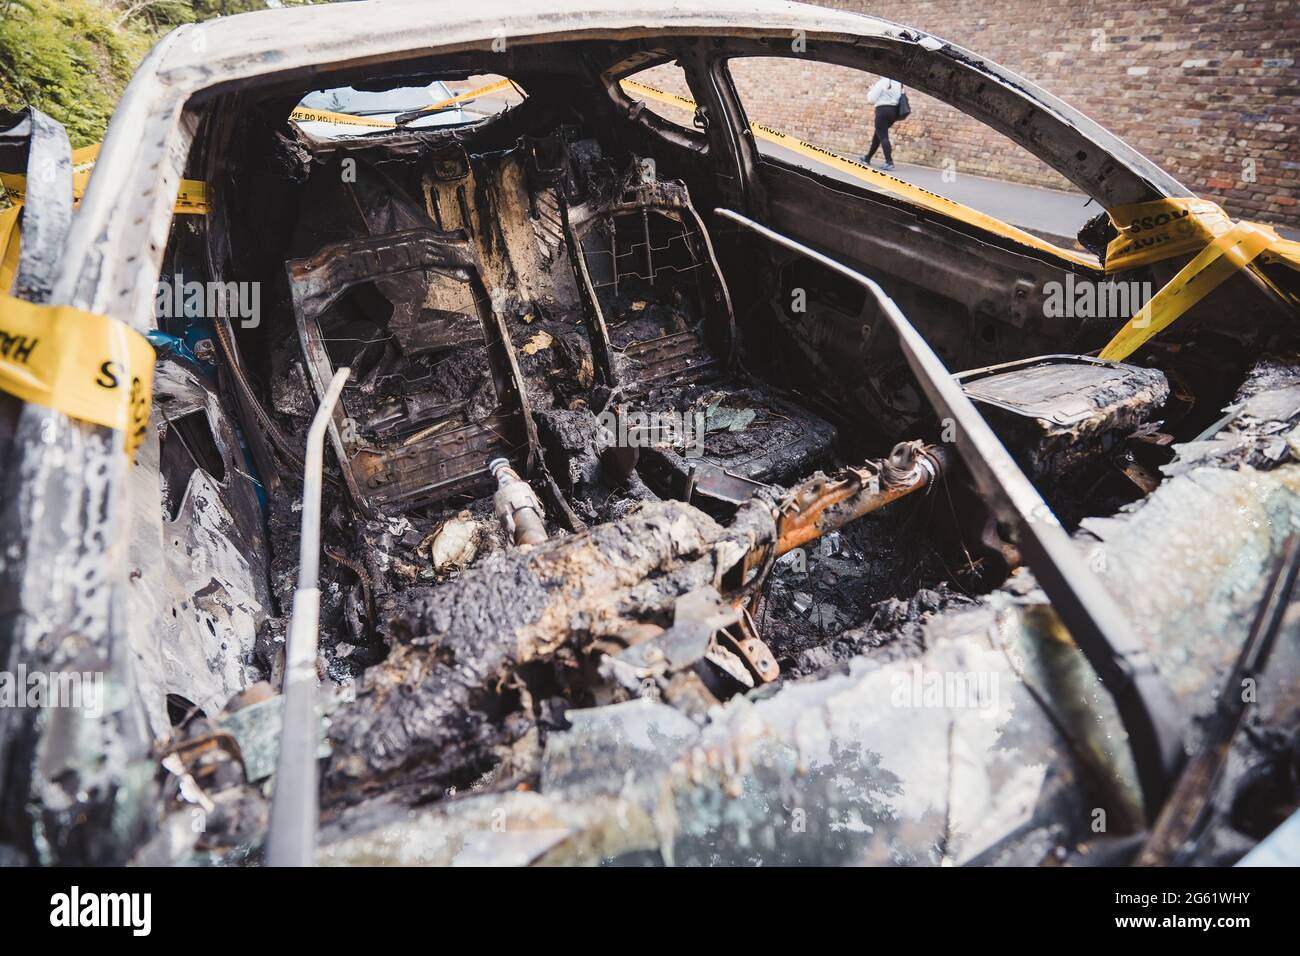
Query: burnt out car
(682, 503)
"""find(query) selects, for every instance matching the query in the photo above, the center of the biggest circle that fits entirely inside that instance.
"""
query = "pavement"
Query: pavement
(1050, 212)
(1054, 214)
(1043, 211)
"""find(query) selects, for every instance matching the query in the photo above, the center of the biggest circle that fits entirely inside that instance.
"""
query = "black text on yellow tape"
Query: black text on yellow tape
(305, 115)
(1151, 231)
(90, 367)
(1164, 228)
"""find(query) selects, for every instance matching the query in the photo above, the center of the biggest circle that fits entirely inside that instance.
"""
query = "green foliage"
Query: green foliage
(205, 9)
(69, 58)
(73, 58)
(161, 15)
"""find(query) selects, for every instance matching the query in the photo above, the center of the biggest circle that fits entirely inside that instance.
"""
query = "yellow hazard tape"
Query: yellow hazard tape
(191, 200)
(883, 181)
(1158, 230)
(90, 367)
(303, 115)
(1153, 231)
(9, 246)
(470, 94)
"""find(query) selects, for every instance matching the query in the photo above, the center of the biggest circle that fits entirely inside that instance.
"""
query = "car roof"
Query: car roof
(231, 48)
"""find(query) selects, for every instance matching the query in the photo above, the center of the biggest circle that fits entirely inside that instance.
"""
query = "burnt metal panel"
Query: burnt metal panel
(1059, 411)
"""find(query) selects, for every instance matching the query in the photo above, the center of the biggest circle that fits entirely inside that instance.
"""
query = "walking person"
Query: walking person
(885, 95)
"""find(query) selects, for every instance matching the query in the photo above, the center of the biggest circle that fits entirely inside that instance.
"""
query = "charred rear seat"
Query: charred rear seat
(582, 282)
(434, 393)
(663, 335)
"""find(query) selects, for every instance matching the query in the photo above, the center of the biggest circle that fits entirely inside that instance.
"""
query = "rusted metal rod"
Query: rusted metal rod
(822, 505)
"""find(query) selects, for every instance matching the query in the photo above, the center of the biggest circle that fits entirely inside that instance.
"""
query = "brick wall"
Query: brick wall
(1208, 89)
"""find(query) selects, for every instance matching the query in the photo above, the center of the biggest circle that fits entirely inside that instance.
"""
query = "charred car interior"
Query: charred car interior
(632, 512)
